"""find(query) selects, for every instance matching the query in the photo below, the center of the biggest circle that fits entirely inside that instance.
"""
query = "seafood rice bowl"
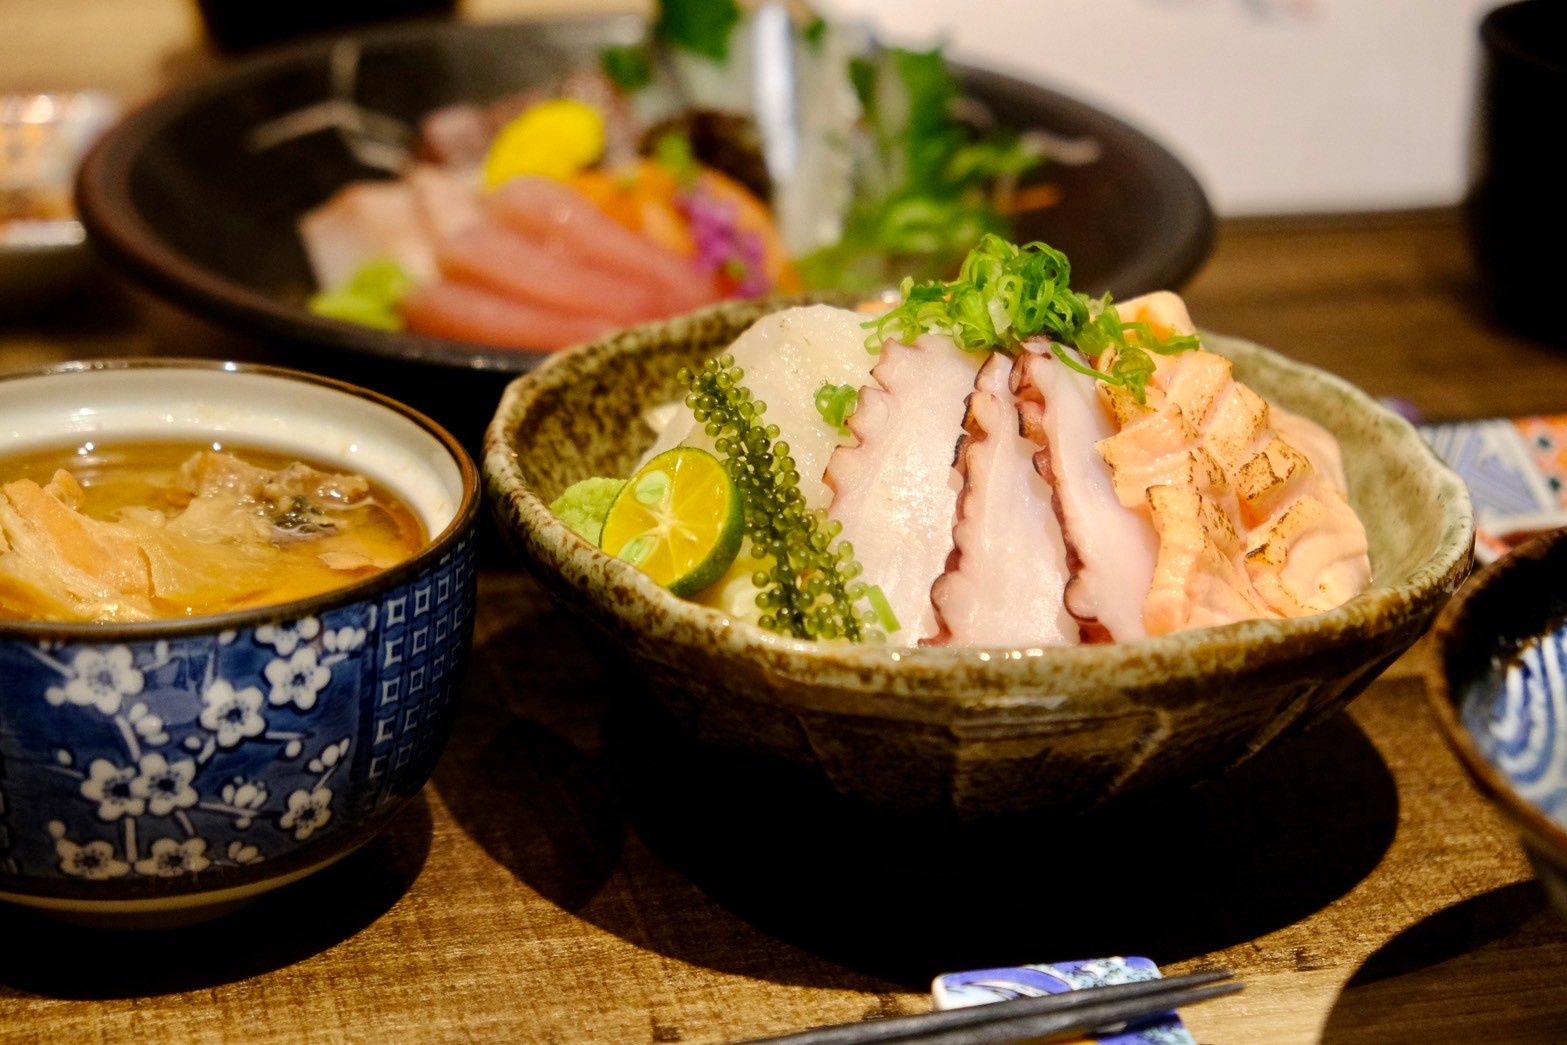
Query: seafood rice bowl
(990, 550)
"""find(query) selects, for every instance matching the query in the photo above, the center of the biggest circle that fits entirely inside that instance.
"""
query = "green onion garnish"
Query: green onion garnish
(1005, 295)
(882, 608)
(836, 404)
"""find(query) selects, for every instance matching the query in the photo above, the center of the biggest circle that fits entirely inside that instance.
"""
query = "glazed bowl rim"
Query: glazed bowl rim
(1440, 694)
(439, 544)
(1375, 611)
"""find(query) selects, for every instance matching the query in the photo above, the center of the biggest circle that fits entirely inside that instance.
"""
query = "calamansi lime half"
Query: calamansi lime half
(678, 520)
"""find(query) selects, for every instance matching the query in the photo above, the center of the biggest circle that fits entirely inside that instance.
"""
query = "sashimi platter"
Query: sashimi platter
(473, 197)
(652, 185)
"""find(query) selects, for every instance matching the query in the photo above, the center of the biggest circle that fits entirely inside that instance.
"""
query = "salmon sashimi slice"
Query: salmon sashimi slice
(493, 257)
(1316, 442)
(896, 492)
(1248, 526)
(464, 312)
(561, 217)
(1005, 576)
(1111, 549)
(1200, 579)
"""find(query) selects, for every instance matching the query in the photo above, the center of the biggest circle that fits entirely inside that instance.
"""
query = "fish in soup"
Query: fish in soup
(146, 531)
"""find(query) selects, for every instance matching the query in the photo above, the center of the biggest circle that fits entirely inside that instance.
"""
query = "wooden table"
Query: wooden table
(551, 885)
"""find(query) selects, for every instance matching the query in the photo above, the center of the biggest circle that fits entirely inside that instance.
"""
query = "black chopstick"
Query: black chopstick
(1045, 1018)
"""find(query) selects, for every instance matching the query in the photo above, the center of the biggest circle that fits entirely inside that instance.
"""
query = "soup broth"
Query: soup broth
(142, 531)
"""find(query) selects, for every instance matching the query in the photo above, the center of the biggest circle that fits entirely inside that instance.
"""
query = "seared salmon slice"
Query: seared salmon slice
(1249, 526)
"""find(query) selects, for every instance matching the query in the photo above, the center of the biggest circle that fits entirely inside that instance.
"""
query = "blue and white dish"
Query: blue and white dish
(1498, 684)
(176, 767)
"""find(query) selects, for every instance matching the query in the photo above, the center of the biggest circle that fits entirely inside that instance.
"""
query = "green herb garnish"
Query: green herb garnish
(1005, 295)
(926, 188)
(836, 404)
(629, 68)
(809, 590)
(700, 26)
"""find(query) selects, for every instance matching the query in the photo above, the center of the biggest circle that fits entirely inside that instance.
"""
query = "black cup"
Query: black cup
(1516, 208)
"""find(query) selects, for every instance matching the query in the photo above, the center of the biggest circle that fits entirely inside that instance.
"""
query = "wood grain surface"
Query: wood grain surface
(577, 873)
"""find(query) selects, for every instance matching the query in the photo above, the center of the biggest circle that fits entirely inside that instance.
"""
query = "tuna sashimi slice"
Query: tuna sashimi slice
(896, 492)
(468, 313)
(499, 260)
(1007, 571)
(557, 215)
(1111, 549)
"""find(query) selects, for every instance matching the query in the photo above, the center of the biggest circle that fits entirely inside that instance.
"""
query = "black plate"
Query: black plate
(175, 196)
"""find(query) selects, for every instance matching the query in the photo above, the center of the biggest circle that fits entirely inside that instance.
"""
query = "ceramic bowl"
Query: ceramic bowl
(170, 769)
(975, 733)
(1498, 685)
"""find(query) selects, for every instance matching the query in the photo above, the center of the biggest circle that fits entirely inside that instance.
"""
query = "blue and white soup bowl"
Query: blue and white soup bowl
(167, 770)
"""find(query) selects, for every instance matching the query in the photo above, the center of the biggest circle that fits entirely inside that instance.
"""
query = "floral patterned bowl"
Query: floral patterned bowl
(167, 770)
(966, 732)
(1498, 685)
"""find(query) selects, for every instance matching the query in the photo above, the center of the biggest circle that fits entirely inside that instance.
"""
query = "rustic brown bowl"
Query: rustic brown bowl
(974, 732)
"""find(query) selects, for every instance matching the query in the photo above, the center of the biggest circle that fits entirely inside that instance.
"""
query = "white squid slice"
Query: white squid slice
(1004, 580)
(787, 357)
(361, 222)
(896, 492)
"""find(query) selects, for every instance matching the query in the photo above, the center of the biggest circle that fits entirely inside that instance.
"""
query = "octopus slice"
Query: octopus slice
(1110, 548)
(896, 492)
(1004, 579)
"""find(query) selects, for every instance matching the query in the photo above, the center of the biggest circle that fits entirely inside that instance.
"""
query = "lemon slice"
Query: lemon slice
(555, 139)
(678, 520)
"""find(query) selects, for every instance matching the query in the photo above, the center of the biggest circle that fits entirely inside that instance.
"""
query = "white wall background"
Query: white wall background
(1278, 106)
